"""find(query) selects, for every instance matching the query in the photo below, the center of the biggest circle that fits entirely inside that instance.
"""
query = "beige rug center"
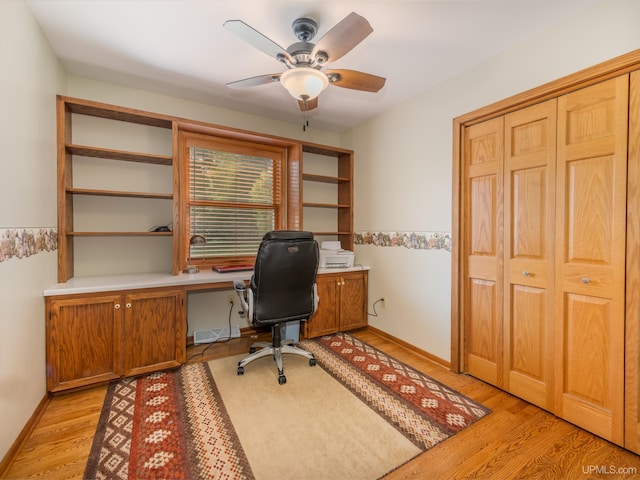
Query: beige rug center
(311, 428)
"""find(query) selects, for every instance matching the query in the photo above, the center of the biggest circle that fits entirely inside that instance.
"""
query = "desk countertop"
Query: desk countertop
(108, 283)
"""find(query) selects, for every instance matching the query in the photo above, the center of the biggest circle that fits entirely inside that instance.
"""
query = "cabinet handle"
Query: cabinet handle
(525, 273)
(117, 306)
(585, 280)
(128, 305)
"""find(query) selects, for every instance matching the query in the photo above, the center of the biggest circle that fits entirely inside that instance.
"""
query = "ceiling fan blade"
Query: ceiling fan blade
(356, 80)
(257, 39)
(343, 37)
(255, 81)
(307, 105)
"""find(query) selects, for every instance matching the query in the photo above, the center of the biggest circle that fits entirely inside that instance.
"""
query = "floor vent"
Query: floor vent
(215, 334)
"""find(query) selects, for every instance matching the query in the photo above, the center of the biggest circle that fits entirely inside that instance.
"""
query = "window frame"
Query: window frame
(189, 139)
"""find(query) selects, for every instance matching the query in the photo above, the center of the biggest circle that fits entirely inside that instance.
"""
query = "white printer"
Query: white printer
(333, 256)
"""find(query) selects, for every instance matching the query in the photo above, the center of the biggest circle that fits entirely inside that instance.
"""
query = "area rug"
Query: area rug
(359, 414)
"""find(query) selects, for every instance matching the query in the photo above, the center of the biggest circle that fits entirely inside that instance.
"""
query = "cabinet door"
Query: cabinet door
(529, 213)
(325, 320)
(154, 331)
(483, 250)
(83, 341)
(590, 260)
(353, 300)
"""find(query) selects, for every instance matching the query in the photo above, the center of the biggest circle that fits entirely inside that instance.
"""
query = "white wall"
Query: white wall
(404, 175)
(30, 78)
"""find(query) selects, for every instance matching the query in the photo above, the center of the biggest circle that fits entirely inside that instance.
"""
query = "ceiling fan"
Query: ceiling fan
(304, 78)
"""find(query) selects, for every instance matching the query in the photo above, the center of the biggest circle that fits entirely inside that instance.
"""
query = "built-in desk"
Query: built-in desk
(105, 327)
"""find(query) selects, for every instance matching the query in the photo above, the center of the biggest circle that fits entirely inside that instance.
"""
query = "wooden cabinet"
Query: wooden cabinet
(99, 337)
(154, 331)
(342, 302)
(84, 340)
(544, 248)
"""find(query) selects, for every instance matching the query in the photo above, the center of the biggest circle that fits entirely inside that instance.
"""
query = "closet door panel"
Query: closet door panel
(481, 344)
(481, 310)
(590, 261)
(527, 362)
(590, 331)
(530, 156)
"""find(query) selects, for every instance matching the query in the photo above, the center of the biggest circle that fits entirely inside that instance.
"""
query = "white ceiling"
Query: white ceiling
(180, 48)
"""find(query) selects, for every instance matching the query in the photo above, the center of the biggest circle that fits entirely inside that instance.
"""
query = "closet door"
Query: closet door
(529, 200)
(590, 260)
(483, 251)
(632, 352)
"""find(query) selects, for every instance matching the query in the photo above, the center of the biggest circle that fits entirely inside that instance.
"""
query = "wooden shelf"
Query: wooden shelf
(109, 154)
(324, 178)
(114, 193)
(120, 234)
(112, 112)
(332, 233)
(324, 205)
(324, 150)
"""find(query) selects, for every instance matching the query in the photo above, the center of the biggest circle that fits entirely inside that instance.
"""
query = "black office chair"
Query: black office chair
(282, 289)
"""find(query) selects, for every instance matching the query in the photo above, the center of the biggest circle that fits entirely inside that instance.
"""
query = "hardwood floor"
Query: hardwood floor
(516, 441)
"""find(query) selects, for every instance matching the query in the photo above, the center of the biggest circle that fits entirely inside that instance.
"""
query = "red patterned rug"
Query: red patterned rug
(174, 424)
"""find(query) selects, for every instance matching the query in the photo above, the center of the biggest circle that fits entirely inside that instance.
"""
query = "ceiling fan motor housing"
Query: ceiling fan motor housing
(304, 29)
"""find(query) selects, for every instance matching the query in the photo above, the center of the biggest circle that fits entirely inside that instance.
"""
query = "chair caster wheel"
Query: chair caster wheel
(282, 379)
(240, 370)
(252, 350)
(313, 362)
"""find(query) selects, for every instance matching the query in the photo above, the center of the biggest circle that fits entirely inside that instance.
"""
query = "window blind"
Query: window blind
(232, 201)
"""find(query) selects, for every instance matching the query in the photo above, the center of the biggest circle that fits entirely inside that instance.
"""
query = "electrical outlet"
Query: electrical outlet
(383, 302)
(230, 299)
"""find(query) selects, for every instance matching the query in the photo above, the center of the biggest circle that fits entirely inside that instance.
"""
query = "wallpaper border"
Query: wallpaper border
(24, 242)
(414, 240)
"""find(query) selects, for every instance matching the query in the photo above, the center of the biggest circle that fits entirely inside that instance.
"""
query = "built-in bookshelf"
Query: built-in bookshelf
(119, 179)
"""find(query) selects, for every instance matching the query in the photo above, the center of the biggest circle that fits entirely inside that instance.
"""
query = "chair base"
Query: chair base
(275, 350)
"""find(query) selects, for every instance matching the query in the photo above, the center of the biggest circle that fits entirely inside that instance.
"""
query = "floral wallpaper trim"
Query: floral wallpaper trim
(24, 242)
(417, 240)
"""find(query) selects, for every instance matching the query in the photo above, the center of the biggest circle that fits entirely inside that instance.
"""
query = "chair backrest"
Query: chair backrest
(284, 277)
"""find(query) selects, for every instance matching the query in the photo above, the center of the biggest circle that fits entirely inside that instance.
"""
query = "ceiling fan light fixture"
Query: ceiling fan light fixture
(304, 83)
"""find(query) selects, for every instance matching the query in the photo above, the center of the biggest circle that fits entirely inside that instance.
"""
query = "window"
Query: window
(233, 196)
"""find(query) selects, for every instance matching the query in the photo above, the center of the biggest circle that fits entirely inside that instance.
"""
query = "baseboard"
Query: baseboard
(410, 347)
(8, 459)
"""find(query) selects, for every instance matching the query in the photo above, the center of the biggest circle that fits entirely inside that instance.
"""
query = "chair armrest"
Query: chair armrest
(241, 291)
(316, 299)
